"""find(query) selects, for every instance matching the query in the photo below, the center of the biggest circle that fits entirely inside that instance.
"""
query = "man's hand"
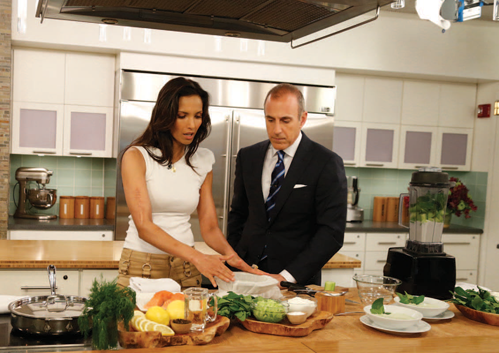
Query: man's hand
(279, 279)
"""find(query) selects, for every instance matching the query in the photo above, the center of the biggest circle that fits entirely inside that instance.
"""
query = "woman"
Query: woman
(166, 176)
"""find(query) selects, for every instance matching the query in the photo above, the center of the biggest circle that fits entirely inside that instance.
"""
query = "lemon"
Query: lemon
(147, 325)
(165, 330)
(138, 313)
(136, 320)
(158, 315)
(176, 309)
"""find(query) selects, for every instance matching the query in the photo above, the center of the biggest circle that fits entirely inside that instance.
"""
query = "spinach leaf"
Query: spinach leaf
(410, 299)
(235, 305)
(377, 307)
(480, 300)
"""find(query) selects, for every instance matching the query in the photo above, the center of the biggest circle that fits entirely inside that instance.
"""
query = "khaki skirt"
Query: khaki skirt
(140, 264)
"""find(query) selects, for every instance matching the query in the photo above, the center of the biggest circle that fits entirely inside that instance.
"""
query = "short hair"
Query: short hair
(284, 88)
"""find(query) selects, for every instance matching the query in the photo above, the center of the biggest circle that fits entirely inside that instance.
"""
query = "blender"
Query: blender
(354, 212)
(422, 265)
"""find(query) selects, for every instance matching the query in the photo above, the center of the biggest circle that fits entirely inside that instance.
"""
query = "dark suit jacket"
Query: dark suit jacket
(307, 224)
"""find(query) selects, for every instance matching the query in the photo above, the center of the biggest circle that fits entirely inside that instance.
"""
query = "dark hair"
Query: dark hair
(163, 118)
(283, 88)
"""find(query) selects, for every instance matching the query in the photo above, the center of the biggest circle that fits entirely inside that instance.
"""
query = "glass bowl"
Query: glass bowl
(301, 303)
(372, 287)
(269, 310)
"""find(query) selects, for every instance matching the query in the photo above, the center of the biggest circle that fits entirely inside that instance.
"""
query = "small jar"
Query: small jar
(111, 208)
(66, 207)
(82, 207)
(97, 207)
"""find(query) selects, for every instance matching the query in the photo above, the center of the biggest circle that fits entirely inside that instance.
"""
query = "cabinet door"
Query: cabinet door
(454, 148)
(418, 146)
(375, 261)
(384, 241)
(349, 97)
(87, 277)
(379, 145)
(467, 276)
(346, 142)
(35, 282)
(37, 128)
(89, 80)
(457, 105)
(420, 103)
(354, 242)
(464, 247)
(88, 131)
(38, 76)
(382, 100)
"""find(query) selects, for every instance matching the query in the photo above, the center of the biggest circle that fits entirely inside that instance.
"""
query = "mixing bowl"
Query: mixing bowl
(372, 287)
(42, 198)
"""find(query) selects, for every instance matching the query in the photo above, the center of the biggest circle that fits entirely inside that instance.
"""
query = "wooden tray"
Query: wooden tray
(154, 339)
(285, 328)
(480, 316)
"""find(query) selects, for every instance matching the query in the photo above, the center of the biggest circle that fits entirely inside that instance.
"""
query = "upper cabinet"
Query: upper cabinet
(62, 103)
(382, 100)
(349, 97)
(457, 105)
(420, 103)
(379, 145)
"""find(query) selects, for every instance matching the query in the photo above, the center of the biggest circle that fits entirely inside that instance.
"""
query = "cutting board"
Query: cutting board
(285, 328)
(154, 339)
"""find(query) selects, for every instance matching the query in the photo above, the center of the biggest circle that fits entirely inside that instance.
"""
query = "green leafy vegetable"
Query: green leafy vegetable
(429, 208)
(235, 305)
(107, 304)
(410, 299)
(480, 300)
(378, 308)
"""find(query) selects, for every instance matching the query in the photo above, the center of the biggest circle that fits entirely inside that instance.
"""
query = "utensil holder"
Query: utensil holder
(66, 207)
(97, 207)
(111, 208)
(330, 304)
(82, 207)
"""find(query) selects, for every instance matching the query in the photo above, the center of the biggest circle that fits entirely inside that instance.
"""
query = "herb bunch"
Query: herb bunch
(482, 300)
(235, 305)
(410, 299)
(107, 304)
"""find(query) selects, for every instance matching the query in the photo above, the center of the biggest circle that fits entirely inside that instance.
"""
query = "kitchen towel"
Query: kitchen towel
(146, 285)
(5, 300)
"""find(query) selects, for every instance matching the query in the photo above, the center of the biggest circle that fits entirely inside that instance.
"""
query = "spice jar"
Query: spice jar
(97, 207)
(82, 207)
(111, 208)
(66, 207)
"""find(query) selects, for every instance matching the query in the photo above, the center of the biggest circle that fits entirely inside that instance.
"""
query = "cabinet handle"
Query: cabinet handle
(349, 242)
(419, 166)
(387, 243)
(81, 153)
(381, 261)
(349, 163)
(36, 287)
(450, 168)
(461, 279)
(457, 243)
(374, 164)
(44, 152)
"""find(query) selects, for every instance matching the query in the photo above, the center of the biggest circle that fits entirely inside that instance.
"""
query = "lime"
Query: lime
(158, 315)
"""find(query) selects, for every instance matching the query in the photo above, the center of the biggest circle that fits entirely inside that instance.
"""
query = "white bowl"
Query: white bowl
(392, 322)
(430, 307)
(301, 303)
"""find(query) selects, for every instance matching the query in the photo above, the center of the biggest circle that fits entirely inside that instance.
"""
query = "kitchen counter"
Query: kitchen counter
(25, 254)
(71, 224)
(392, 227)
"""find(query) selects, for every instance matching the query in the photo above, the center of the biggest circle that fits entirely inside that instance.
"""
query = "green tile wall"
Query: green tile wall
(72, 176)
(392, 182)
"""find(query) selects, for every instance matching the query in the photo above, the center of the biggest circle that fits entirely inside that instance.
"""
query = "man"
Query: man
(291, 228)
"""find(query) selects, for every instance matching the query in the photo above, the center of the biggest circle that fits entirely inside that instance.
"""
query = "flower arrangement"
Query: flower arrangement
(459, 201)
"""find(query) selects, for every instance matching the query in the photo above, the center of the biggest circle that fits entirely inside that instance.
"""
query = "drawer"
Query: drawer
(467, 276)
(465, 248)
(359, 255)
(105, 235)
(36, 282)
(375, 260)
(384, 241)
(354, 242)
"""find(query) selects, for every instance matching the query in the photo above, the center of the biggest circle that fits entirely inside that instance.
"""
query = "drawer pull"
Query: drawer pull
(450, 168)
(36, 288)
(349, 163)
(80, 153)
(374, 164)
(387, 243)
(381, 261)
(457, 243)
(461, 279)
(44, 152)
(349, 242)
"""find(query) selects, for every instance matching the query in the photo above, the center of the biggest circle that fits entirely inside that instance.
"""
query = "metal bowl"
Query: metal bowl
(42, 198)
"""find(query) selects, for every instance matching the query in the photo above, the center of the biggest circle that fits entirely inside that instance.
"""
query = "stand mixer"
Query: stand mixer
(40, 197)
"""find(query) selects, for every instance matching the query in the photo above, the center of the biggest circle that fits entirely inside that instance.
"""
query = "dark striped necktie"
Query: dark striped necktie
(275, 185)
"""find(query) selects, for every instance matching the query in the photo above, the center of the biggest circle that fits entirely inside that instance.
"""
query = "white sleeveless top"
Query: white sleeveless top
(174, 196)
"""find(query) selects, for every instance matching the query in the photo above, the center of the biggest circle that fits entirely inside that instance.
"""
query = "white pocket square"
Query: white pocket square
(297, 186)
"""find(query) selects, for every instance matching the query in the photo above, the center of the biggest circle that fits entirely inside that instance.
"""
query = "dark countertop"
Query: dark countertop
(71, 224)
(392, 227)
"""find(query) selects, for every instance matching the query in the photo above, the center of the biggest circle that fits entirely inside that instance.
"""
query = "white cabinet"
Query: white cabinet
(35, 282)
(465, 248)
(87, 277)
(354, 245)
(420, 103)
(347, 142)
(418, 147)
(376, 252)
(349, 97)
(380, 145)
(454, 148)
(457, 105)
(63, 105)
(104, 235)
(382, 100)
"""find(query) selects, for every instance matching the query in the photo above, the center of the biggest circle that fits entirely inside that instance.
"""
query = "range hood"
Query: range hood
(275, 20)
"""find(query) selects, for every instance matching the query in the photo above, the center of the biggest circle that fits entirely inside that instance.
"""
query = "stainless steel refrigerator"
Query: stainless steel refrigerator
(237, 117)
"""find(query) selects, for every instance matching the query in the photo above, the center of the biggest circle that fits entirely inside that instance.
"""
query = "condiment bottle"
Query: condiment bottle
(82, 207)
(66, 207)
(111, 208)
(97, 207)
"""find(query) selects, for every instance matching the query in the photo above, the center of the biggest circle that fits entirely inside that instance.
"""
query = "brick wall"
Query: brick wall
(5, 91)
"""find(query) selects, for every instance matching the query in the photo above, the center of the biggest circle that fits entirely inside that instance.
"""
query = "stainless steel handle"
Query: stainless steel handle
(381, 261)
(387, 243)
(349, 163)
(419, 166)
(450, 168)
(461, 279)
(457, 243)
(35, 287)
(374, 164)
(44, 152)
(81, 153)
(349, 242)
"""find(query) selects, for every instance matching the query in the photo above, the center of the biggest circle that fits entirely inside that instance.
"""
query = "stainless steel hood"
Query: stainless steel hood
(275, 20)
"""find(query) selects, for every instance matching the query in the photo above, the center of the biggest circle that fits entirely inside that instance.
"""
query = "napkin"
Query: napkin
(146, 285)
(5, 300)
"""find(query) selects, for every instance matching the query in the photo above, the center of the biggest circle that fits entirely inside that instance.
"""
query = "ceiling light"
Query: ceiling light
(400, 4)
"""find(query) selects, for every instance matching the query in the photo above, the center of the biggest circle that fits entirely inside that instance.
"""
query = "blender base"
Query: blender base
(430, 275)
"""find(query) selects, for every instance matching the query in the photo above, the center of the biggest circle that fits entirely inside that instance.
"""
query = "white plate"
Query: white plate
(443, 316)
(418, 328)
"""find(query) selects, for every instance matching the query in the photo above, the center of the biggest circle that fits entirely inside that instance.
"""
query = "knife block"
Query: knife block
(333, 305)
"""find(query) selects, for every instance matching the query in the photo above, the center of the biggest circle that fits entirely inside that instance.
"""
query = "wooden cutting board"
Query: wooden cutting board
(154, 339)
(285, 328)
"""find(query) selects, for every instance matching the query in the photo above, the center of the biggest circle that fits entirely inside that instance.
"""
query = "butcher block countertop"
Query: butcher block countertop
(25, 254)
(346, 334)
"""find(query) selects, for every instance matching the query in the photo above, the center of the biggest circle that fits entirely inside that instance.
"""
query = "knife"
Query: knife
(298, 288)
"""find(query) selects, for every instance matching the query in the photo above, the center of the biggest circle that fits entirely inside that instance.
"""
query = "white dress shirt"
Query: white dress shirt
(268, 166)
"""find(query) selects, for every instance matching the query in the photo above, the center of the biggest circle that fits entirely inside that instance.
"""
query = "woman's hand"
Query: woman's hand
(213, 265)
(237, 262)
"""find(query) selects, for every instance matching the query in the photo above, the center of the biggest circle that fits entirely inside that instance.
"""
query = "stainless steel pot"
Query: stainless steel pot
(47, 315)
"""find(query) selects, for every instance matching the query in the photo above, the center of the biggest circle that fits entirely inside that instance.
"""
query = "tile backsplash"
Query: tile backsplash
(391, 182)
(72, 176)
